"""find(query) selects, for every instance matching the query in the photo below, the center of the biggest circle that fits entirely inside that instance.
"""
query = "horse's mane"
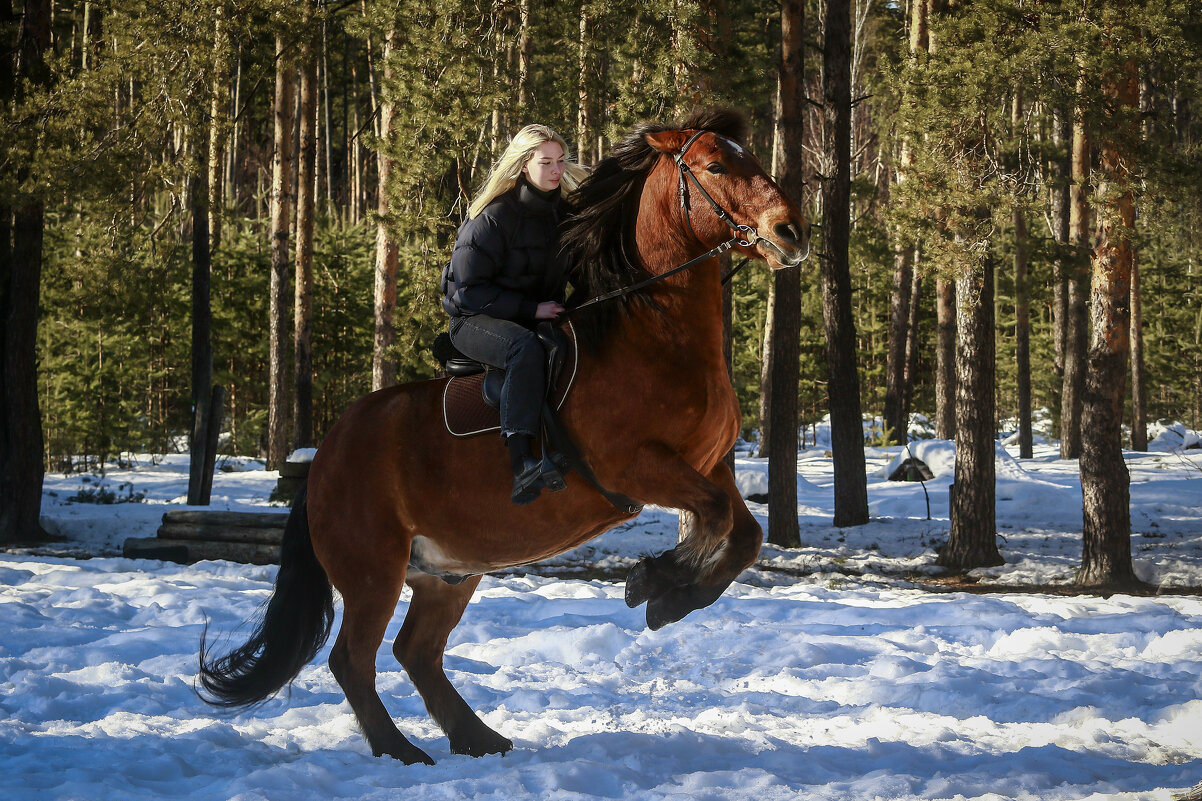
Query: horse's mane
(598, 238)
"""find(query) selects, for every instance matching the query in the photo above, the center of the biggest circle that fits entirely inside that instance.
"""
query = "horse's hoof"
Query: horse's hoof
(677, 602)
(638, 583)
(408, 753)
(484, 743)
(652, 577)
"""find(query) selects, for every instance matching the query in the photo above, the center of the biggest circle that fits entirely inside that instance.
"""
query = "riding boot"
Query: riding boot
(527, 471)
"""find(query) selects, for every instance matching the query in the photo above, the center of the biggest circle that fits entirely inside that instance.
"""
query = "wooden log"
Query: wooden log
(294, 469)
(209, 532)
(227, 519)
(189, 551)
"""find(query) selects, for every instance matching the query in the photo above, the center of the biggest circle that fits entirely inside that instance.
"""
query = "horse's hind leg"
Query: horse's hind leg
(368, 605)
(434, 611)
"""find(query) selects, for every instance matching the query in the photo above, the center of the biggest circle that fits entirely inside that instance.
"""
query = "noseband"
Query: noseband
(741, 236)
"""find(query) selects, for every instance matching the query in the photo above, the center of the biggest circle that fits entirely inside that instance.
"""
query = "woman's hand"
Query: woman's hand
(548, 310)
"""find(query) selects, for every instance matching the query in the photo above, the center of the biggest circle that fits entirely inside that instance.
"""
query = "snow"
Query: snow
(826, 672)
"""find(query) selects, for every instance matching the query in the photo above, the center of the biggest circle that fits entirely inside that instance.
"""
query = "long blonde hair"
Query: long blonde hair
(505, 173)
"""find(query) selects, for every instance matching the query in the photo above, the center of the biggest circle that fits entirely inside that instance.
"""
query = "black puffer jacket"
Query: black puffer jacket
(506, 258)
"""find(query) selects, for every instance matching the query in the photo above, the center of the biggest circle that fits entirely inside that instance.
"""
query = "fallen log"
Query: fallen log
(189, 551)
(232, 519)
(221, 533)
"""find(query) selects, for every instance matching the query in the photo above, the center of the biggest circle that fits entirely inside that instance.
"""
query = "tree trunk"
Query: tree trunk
(784, 342)
(972, 541)
(945, 359)
(847, 428)
(383, 365)
(912, 345)
(1061, 177)
(525, 54)
(584, 125)
(895, 363)
(218, 107)
(1139, 391)
(281, 214)
(766, 371)
(22, 469)
(1022, 333)
(302, 319)
(202, 324)
(903, 306)
(1077, 328)
(1105, 482)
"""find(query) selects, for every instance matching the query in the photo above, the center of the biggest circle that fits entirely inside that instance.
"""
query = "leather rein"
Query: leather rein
(741, 236)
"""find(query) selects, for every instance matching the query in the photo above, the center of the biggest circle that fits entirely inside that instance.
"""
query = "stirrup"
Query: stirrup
(528, 483)
(552, 473)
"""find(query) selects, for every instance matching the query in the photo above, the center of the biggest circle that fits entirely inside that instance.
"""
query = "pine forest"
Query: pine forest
(259, 195)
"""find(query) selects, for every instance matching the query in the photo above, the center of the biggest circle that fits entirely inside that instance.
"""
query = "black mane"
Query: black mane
(598, 238)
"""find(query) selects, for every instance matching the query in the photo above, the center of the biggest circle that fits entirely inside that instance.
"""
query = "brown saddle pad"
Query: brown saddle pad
(465, 412)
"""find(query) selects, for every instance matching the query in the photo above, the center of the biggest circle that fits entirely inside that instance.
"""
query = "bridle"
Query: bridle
(741, 235)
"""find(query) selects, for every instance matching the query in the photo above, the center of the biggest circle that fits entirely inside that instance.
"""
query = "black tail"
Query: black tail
(294, 627)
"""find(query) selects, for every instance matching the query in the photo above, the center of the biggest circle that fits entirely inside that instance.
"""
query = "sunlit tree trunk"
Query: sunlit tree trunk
(895, 361)
(902, 298)
(584, 124)
(218, 109)
(1139, 390)
(1077, 328)
(525, 55)
(383, 365)
(912, 344)
(302, 315)
(1060, 170)
(972, 541)
(281, 216)
(945, 359)
(1105, 481)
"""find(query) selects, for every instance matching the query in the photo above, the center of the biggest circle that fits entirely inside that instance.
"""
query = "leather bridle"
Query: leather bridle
(741, 235)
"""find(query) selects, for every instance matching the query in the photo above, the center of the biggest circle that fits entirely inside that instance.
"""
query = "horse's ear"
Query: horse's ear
(666, 141)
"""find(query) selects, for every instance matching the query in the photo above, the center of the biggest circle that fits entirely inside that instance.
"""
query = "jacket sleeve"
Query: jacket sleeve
(476, 262)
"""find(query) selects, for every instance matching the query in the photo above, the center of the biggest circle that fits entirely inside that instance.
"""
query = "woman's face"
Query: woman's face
(545, 166)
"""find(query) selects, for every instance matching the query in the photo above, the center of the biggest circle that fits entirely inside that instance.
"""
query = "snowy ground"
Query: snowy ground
(826, 672)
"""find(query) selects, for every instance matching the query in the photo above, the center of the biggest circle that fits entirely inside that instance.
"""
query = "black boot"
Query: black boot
(527, 471)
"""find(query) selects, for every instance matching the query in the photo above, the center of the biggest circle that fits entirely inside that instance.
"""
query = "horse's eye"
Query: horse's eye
(716, 169)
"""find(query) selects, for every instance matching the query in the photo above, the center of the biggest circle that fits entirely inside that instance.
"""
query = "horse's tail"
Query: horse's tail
(294, 626)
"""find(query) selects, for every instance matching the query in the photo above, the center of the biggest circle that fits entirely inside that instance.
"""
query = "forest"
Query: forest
(259, 195)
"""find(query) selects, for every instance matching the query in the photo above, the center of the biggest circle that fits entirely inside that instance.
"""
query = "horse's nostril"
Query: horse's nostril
(787, 232)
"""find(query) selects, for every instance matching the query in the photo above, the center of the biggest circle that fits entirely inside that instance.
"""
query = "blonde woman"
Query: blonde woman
(505, 277)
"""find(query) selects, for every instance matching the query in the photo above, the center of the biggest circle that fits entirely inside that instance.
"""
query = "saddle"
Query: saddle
(471, 399)
(471, 402)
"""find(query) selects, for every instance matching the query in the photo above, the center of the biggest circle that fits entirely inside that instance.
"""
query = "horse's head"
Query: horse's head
(710, 165)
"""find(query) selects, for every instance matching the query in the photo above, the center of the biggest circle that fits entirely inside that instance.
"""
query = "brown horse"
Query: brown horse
(392, 499)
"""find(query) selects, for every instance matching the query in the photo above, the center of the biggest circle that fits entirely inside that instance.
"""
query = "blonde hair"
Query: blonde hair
(505, 173)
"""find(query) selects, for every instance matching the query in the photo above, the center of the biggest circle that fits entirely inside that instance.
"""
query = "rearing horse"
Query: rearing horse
(392, 499)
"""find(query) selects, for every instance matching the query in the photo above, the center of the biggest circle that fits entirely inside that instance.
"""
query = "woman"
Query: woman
(505, 277)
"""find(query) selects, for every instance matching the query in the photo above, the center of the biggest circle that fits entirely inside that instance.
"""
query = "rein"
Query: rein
(742, 236)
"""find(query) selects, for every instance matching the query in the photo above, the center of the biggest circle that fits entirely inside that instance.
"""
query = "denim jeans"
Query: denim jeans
(515, 349)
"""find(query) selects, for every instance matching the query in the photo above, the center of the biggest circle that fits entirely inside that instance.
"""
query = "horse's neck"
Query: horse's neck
(687, 309)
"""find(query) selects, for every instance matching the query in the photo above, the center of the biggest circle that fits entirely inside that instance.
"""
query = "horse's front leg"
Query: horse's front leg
(724, 540)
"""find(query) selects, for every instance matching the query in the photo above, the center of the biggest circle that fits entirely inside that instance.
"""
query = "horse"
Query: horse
(392, 499)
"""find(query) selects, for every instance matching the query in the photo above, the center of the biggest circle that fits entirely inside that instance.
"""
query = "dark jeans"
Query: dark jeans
(515, 349)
